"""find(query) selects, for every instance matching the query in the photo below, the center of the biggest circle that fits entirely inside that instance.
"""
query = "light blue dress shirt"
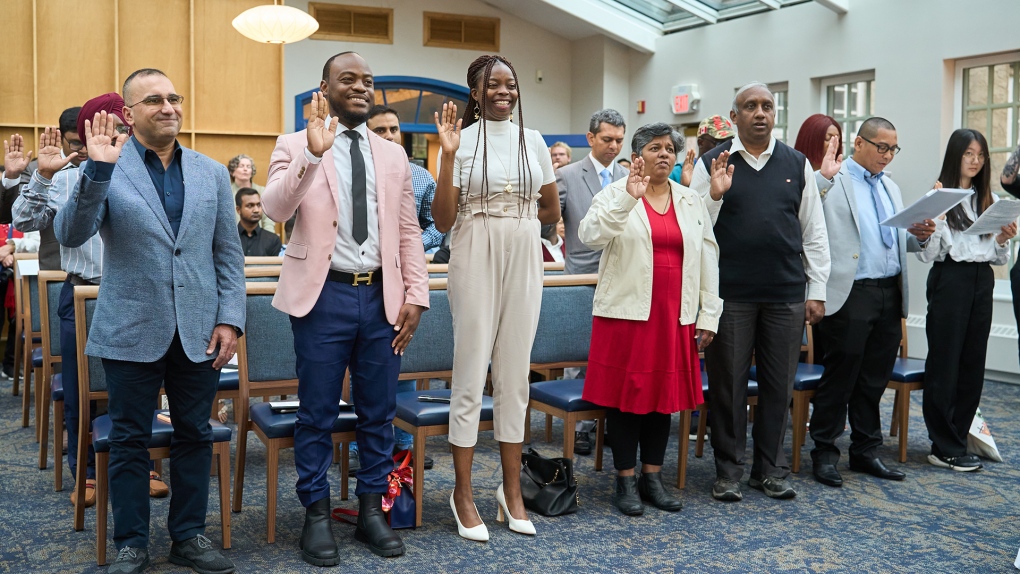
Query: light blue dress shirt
(876, 260)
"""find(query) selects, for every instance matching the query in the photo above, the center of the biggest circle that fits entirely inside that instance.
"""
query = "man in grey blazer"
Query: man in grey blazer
(866, 296)
(578, 183)
(170, 310)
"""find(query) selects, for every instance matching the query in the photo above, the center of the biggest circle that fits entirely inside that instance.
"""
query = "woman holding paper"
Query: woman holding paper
(960, 288)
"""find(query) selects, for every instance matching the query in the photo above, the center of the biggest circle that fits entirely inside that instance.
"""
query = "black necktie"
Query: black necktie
(358, 201)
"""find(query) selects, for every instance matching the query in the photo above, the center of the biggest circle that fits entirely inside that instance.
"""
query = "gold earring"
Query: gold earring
(511, 116)
(478, 112)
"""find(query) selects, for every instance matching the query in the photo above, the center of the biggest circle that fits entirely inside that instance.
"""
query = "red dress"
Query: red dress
(649, 366)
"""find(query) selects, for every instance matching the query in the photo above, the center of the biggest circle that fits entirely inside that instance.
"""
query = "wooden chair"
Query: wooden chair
(272, 260)
(907, 376)
(28, 332)
(50, 285)
(805, 383)
(267, 364)
(92, 386)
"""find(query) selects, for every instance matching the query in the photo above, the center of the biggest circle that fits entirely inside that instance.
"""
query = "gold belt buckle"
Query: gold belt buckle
(365, 278)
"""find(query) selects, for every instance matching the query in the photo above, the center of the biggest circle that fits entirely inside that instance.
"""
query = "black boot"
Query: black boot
(626, 496)
(373, 529)
(317, 544)
(652, 490)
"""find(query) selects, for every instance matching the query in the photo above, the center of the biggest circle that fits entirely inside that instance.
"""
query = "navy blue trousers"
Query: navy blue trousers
(69, 370)
(134, 392)
(347, 327)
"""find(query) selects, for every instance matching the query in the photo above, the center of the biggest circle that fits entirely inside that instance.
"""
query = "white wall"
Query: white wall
(529, 48)
(910, 44)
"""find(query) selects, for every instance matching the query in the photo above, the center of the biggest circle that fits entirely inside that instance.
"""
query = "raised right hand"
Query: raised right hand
(15, 158)
(722, 175)
(320, 135)
(687, 171)
(637, 186)
(102, 139)
(50, 161)
(448, 127)
(832, 161)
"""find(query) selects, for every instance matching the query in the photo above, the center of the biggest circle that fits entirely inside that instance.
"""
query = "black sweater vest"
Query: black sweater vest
(758, 229)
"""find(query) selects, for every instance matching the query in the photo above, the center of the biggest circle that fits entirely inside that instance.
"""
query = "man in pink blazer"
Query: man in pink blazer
(355, 285)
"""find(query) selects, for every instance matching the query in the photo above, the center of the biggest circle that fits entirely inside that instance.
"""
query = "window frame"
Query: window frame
(826, 103)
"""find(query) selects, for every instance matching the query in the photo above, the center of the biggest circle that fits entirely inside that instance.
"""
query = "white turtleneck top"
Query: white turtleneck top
(503, 151)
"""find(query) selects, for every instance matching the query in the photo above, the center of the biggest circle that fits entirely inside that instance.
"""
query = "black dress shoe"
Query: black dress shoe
(828, 475)
(318, 547)
(373, 529)
(652, 490)
(626, 497)
(582, 443)
(874, 467)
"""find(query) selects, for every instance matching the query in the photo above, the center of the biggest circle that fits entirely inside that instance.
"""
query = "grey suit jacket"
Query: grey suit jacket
(153, 283)
(839, 203)
(578, 183)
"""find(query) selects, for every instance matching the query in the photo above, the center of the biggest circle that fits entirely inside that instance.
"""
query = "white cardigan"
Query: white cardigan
(624, 235)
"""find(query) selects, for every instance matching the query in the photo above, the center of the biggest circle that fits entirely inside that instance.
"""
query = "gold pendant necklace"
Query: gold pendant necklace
(508, 188)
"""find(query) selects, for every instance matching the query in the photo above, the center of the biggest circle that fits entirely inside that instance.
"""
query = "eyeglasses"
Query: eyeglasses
(75, 146)
(153, 101)
(883, 148)
(980, 157)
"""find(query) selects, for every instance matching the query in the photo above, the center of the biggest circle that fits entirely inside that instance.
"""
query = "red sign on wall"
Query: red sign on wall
(681, 104)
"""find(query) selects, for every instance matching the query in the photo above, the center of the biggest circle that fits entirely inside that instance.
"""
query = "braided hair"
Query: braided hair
(478, 76)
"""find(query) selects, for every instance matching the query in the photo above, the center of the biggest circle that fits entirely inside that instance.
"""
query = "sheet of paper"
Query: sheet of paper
(931, 205)
(1002, 212)
(28, 266)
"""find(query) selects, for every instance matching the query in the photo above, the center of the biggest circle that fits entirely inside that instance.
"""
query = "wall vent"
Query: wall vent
(352, 23)
(459, 31)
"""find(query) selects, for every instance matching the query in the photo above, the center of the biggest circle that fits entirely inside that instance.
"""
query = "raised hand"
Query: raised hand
(320, 135)
(1008, 232)
(50, 161)
(637, 185)
(448, 127)
(687, 171)
(15, 158)
(102, 139)
(722, 175)
(831, 162)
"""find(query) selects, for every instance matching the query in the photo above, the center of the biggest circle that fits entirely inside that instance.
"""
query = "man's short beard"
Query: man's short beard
(346, 117)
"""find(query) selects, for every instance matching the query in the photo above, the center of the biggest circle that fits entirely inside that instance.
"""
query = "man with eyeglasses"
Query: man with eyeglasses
(170, 310)
(768, 221)
(866, 297)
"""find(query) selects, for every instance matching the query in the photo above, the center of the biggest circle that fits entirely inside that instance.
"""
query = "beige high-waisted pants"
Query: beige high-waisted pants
(495, 291)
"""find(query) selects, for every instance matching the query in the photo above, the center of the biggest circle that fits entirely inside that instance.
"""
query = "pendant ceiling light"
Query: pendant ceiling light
(275, 24)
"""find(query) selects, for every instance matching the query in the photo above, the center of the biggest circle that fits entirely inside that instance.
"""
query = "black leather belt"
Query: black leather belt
(78, 280)
(366, 278)
(893, 281)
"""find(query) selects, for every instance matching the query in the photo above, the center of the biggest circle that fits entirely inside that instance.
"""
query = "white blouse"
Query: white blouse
(501, 140)
(962, 247)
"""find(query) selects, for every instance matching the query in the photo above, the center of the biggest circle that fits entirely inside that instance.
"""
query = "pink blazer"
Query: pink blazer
(310, 190)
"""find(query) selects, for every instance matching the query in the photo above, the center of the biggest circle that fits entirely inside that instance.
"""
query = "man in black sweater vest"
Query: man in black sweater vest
(772, 245)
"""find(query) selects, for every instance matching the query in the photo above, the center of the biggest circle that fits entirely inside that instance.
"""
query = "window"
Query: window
(782, 128)
(850, 101)
(991, 105)
(465, 32)
(352, 23)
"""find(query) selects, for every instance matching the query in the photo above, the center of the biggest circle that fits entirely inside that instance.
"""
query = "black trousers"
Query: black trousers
(1014, 284)
(959, 319)
(772, 332)
(628, 430)
(861, 340)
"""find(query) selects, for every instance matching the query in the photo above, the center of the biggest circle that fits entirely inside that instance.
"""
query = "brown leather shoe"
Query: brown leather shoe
(157, 488)
(90, 493)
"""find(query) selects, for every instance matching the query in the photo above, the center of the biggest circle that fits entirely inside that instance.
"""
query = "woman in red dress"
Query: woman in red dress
(656, 305)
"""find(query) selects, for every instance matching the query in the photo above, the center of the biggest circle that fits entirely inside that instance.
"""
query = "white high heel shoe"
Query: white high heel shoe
(520, 526)
(477, 533)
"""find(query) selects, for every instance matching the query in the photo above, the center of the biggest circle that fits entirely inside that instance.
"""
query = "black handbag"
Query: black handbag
(548, 485)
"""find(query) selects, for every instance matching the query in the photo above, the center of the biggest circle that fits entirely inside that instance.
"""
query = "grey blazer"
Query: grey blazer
(839, 203)
(155, 284)
(578, 183)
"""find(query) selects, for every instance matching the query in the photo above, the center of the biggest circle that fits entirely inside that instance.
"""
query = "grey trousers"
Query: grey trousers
(771, 333)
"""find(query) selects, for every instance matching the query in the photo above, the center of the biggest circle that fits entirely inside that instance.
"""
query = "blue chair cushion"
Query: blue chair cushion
(281, 425)
(228, 380)
(161, 433)
(421, 414)
(57, 389)
(752, 385)
(806, 379)
(908, 371)
(34, 339)
(563, 394)
(37, 358)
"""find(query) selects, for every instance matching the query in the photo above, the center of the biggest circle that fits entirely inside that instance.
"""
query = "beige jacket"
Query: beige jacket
(618, 225)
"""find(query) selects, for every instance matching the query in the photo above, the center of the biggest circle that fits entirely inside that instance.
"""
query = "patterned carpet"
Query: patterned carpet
(934, 521)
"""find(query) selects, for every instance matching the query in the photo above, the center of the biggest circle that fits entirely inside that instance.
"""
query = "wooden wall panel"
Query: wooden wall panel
(27, 132)
(16, 85)
(156, 36)
(237, 80)
(75, 54)
(222, 148)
